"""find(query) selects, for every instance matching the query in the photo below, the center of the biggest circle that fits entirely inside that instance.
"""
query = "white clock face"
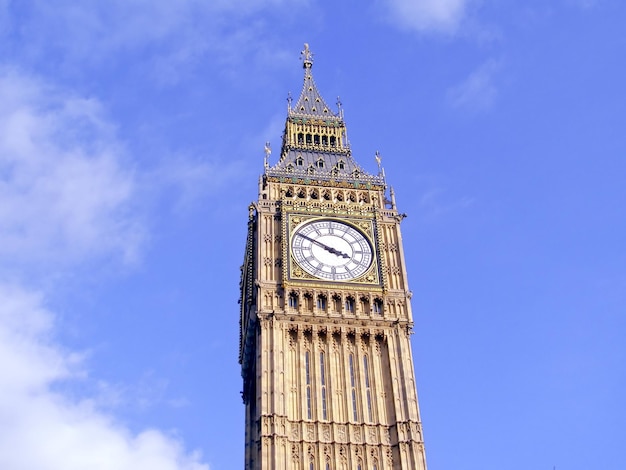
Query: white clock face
(331, 250)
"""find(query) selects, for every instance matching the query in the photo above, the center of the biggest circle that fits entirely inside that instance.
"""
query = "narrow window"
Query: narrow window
(324, 140)
(341, 165)
(321, 302)
(368, 390)
(299, 161)
(349, 305)
(307, 374)
(323, 383)
(309, 138)
(365, 305)
(293, 300)
(333, 141)
(316, 139)
(308, 302)
(377, 307)
(300, 138)
(353, 388)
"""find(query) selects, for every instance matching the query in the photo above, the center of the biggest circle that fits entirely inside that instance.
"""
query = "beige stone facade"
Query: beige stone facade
(326, 359)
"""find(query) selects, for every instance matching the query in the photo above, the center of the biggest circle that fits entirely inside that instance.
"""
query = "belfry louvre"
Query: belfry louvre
(328, 377)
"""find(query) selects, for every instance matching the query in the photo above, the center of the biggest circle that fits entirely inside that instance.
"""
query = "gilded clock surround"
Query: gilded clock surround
(328, 379)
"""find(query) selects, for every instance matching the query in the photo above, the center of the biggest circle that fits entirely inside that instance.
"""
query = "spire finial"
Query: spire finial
(307, 57)
(268, 151)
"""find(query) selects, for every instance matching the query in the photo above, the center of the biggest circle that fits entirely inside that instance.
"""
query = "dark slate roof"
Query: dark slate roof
(311, 102)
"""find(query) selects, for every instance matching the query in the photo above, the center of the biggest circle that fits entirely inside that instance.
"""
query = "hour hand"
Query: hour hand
(335, 252)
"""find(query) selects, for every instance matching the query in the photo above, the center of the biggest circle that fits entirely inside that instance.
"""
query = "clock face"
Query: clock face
(331, 250)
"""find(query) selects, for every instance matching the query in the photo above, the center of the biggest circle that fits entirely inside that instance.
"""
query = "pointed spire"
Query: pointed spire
(315, 144)
(310, 102)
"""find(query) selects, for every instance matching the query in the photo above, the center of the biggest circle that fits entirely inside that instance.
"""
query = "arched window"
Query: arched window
(323, 385)
(293, 300)
(368, 392)
(299, 161)
(321, 302)
(349, 305)
(355, 415)
(307, 375)
(377, 307)
(365, 305)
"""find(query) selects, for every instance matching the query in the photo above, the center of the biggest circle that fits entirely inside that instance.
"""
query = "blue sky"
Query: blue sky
(131, 140)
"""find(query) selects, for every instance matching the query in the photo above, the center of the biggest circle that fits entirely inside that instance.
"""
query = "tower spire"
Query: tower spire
(315, 142)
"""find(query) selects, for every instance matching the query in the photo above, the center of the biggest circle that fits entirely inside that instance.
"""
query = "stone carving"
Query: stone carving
(341, 433)
(326, 432)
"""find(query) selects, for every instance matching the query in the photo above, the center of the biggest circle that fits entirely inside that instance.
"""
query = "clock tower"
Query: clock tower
(328, 379)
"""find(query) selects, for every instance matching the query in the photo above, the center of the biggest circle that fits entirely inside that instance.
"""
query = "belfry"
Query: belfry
(325, 353)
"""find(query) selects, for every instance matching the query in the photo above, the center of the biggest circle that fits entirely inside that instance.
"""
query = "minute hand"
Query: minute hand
(330, 249)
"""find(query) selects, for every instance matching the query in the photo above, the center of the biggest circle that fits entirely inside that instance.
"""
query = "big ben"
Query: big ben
(325, 353)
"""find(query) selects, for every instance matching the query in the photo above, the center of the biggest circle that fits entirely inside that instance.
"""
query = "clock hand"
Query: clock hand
(330, 249)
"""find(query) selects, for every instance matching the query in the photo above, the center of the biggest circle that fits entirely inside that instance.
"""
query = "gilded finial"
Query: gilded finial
(307, 57)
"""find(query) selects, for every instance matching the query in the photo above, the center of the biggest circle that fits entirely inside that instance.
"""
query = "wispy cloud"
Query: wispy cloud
(178, 34)
(65, 188)
(68, 195)
(478, 91)
(440, 16)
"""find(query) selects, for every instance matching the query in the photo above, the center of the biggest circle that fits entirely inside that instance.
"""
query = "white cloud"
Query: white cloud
(65, 189)
(478, 91)
(66, 196)
(44, 430)
(428, 15)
